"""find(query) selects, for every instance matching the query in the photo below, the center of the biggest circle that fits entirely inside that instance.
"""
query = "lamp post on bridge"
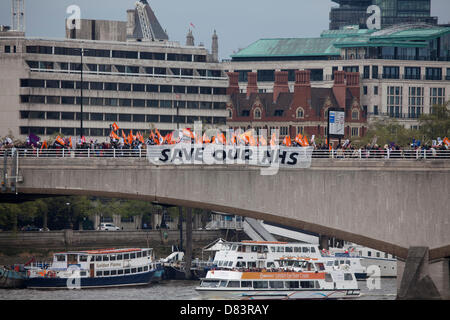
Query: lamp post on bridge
(82, 52)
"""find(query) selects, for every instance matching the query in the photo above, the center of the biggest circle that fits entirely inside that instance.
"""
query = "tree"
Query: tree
(390, 131)
(437, 123)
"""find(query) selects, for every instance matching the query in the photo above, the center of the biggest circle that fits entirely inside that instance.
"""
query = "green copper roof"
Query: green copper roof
(415, 33)
(330, 42)
(294, 47)
(413, 37)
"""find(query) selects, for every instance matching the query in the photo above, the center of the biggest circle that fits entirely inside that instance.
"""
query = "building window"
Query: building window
(279, 113)
(437, 96)
(257, 113)
(300, 130)
(374, 72)
(284, 131)
(355, 114)
(433, 74)
(394, 101)
(415, 102)
(412, 73)
(355, 132)
(391, 73)
(266, 75)
(366, 74)
(300, 113)
(375, 90)
(365, 90)
(375, 110)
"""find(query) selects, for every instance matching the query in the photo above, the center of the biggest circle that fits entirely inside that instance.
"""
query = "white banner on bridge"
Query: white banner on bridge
(212, 154)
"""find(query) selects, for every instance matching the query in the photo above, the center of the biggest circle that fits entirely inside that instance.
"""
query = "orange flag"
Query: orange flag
(305, 142)
(446, 141)
(114, 135)
(60, 140)
(206, 139)
(188, 133)
(141, 138)
(299, 139)
(262, 141)
(115, 126)
(287, 141)
(221, 139)
(273, 140)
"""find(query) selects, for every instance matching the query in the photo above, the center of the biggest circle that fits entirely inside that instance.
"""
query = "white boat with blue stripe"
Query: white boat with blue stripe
(95, 269)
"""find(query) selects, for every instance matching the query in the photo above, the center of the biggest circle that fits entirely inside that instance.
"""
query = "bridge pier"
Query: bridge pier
(324, 242)
(418, 279)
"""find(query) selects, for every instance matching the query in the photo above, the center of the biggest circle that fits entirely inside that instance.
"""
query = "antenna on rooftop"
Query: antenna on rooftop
(18, 15)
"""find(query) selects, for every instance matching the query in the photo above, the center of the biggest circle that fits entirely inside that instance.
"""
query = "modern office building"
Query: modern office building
(354, 12)
(139, 83)
(404, 70)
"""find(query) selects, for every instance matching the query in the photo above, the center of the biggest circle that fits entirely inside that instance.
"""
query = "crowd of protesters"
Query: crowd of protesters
(136, 145)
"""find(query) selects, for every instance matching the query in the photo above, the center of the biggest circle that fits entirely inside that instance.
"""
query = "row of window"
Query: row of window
(260, 284)
(119, 272)
(114, 117)
(114, 102)
(127, 87)
(410, 73)
(90, 132)
(389, 72)
(124, 69)
(120, 54)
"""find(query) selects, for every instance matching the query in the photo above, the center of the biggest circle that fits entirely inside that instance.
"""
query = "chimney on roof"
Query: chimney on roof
(340, 88)
(281, 84)
(353, 84)
(252, 86)
(233, 84)
(302, 88)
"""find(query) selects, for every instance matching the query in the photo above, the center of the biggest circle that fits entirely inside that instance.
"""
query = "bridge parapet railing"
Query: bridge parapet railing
(362, 154)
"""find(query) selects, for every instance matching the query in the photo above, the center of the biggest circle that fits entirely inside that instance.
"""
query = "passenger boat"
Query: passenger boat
(386, 263)
(94, 269)
(296, 278)
(263, 254)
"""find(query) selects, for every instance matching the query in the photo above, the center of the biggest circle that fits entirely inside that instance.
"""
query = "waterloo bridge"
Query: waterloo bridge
(398, 206)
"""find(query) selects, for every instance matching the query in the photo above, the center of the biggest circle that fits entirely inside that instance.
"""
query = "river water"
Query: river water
(166, 290)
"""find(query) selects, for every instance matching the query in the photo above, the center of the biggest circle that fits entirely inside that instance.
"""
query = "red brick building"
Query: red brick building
(302, 111)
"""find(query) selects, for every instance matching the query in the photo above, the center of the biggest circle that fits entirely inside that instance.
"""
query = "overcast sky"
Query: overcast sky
(238, 22)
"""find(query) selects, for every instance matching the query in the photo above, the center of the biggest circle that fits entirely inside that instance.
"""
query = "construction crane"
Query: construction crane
(147, 32)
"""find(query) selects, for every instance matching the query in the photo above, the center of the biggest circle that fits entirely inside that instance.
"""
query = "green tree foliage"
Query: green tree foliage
(390, 131)
(68, 212)
(437, 123)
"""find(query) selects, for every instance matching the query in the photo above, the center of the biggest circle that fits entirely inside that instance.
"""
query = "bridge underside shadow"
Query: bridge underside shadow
(27, 194)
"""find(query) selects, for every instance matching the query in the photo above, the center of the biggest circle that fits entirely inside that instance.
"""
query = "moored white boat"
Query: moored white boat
(94, 269)
(295, 279)
(264, 254)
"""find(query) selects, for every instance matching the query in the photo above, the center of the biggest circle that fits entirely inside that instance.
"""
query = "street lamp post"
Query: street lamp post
(81, 88)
